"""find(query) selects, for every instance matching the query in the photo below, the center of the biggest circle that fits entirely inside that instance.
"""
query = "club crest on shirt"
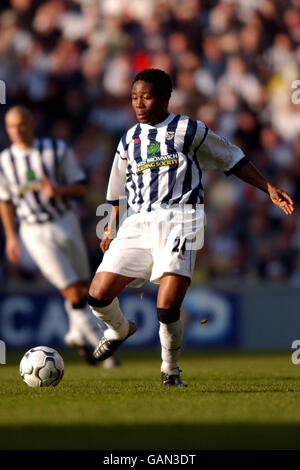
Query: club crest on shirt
(170, 135)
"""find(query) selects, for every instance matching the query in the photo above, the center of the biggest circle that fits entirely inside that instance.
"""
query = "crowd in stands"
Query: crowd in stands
(233, 64)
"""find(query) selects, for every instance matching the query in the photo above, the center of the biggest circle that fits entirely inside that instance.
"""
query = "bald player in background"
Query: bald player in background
(38, 180)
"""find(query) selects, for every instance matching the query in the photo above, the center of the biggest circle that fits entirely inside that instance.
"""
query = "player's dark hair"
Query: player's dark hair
(162, 84)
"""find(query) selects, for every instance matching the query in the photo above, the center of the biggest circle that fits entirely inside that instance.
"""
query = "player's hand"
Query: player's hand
(281, 199)
(105, 242)
(47, 187)
(13, 250)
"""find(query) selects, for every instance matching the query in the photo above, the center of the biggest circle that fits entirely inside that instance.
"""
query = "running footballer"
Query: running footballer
(38, 180)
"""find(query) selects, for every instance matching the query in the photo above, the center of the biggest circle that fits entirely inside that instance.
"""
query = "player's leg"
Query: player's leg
(127, 260)
(54, 246)
(103, 300)
(171, 293)
(83, 324)
(174, 257)
(82, 321)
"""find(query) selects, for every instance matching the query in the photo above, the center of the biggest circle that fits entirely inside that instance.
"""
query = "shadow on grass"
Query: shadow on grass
(154, 437)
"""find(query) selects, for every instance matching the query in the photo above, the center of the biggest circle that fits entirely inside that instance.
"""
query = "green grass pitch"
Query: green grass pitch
(233, 401)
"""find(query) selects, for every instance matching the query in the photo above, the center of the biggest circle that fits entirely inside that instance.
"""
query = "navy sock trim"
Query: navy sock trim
(80, 304)
(93, 302)
(168, 315)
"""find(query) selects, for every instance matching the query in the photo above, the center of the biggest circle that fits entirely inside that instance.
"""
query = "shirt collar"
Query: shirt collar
(160, 124)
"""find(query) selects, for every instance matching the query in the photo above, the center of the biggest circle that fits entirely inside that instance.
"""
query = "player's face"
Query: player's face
(19, 127)
(149, 108)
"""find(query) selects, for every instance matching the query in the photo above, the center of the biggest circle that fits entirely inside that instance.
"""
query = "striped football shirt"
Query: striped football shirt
(161, 165)
(22, 170)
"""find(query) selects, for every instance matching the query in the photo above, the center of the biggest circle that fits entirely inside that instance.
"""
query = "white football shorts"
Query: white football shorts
(58, 249)
(150, 244)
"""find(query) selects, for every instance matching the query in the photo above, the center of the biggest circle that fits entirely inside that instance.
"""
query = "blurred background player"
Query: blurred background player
(38, 179)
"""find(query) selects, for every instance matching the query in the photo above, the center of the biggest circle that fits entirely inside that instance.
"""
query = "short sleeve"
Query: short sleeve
(5, 194)
(117, 179)
(70, 170)
(218, 153)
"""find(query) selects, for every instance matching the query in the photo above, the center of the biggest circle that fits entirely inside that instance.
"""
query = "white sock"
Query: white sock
(170, 339)
(112, 316)
(82, 320)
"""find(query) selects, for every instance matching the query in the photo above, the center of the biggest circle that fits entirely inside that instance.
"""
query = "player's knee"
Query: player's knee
(168, 315)
(99, 291)
(100, 303)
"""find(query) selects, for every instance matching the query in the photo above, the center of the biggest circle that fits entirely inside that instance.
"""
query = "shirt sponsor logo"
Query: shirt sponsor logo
(156, 162)
(24, 189)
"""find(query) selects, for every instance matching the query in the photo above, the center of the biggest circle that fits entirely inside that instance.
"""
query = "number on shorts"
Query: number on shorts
(176, 248)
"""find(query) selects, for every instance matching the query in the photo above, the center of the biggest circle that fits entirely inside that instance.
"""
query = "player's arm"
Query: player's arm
(280, 198)
(12, 246)
(115, 191)
(70, 178)
(110, 230)
(216, 152)
(51, 189)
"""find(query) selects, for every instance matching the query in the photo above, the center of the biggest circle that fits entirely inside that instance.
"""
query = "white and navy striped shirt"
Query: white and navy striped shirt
(22, 170)
(161, 166)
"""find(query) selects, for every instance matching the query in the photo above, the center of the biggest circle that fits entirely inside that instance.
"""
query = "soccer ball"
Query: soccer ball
(42, 367)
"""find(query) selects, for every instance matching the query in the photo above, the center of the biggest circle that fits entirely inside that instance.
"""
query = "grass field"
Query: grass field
(233, 401)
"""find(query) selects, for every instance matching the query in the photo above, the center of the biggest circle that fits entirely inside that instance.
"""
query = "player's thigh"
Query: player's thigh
(169, 261)
(79, 258)
(177, 248)
(128, 257)
(172, 290)
(52, 261)
(106, 285)
(75, 247)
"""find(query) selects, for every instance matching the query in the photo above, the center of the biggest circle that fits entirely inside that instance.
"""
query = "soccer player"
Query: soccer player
(38, 179)
(158, 167)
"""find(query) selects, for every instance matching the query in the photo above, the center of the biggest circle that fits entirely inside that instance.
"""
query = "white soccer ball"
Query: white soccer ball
(42, 367)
